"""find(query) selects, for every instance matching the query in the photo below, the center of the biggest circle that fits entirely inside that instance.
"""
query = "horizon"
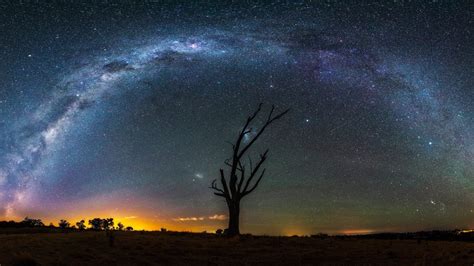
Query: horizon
(127, 111)
(290, 232)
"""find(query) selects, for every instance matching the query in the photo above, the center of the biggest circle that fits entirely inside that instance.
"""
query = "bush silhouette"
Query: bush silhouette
(96, 224)
(63, 224)
(81, 225)
(28, 222)
(108, 224)
(102, 224)
(120, 226)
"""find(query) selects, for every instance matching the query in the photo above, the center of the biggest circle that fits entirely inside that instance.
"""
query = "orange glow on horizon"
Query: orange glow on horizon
(293, 232)
(139, 220)
(147, 223)
(187, 224)
(357, 231)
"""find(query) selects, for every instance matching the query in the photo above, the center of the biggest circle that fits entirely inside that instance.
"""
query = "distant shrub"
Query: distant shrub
(219, 232)
(28, 222)
(108, 224)
(102, 224)
(120, 226)
(164, 230)
(96, 224)
(81, 225)
(129, 228)
(63, 224)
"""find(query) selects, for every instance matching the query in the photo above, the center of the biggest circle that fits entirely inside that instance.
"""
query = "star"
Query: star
(137, 112)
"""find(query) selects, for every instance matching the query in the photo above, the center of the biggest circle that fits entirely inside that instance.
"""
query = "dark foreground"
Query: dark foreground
(154, 248)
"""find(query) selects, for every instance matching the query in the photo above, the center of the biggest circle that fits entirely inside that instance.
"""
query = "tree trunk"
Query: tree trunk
(234, 214)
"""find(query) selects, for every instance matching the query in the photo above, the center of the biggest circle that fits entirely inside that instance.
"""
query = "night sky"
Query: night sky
(125, 110)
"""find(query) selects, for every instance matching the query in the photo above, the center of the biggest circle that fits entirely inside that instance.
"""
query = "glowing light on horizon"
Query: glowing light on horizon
(357, 231)
(218, 217)
(186, 219)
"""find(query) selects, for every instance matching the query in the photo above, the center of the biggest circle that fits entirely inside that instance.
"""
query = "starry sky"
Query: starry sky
(124, 109)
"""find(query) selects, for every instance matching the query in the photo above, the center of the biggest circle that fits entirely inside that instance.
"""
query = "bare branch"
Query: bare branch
(235, 161)
(239, 167)
(279, 115)
(263, 157)
(231, 144)
(220, 194)
(242, 177)
(252, 117)
(224, 184)
(250, 164)
(255, 185)
(247, 123)
(260, 132)
(270, 113)
(214, 186)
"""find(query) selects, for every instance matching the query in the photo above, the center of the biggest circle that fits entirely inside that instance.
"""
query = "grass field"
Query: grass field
(155, 248)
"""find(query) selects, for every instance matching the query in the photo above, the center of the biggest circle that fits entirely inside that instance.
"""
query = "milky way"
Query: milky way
(114, 110)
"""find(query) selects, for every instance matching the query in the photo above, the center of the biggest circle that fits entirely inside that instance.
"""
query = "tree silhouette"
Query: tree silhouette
(29, 222)
(108, 224)
(64, 224)
(96, 224)
(129, 228)
(120, 226)
(81, 225)
(240, 177)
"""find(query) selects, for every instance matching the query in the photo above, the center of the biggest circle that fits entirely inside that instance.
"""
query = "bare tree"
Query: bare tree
(242, 178)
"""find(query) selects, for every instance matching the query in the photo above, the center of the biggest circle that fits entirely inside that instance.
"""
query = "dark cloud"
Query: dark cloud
(117, 66)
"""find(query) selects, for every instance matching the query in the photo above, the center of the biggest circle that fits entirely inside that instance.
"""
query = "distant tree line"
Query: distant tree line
(27, 222)
(105, 224)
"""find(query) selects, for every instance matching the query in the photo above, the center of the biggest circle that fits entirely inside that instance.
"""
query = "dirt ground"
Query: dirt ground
(154, 248)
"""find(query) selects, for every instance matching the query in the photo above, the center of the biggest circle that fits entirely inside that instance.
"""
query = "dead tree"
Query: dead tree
(243, 178)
